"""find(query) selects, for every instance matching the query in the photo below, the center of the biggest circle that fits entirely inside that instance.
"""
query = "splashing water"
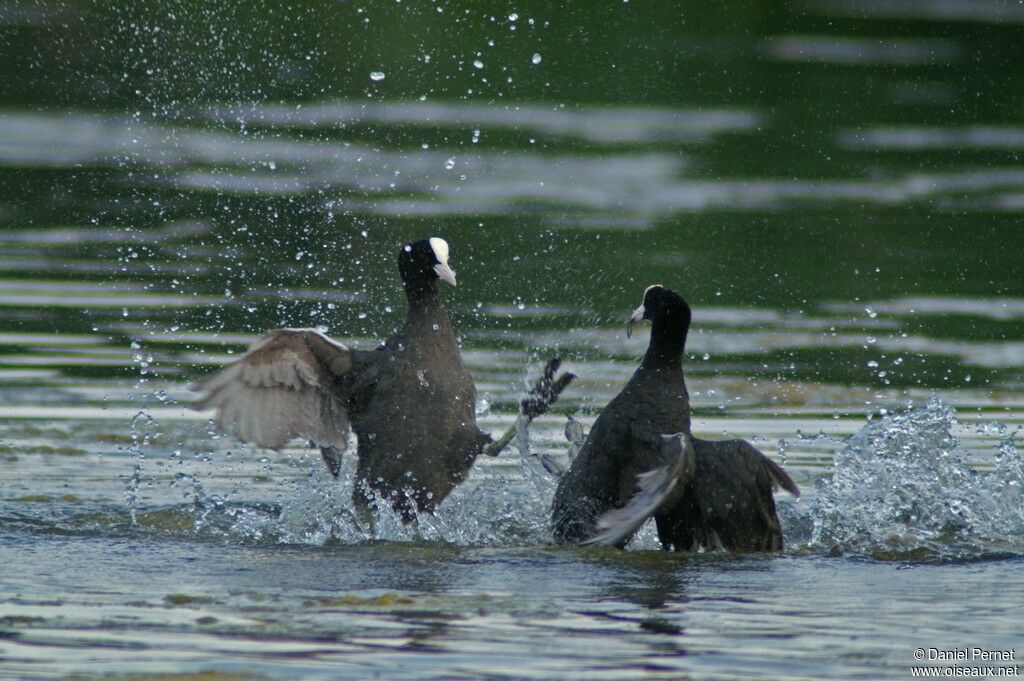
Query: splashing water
(507, 509)
(143, 426)
(486, 512)
(903, 488)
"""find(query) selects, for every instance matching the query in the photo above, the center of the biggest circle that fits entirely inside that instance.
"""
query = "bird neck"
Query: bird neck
(422, 292)
(666, 347)
(425, 302)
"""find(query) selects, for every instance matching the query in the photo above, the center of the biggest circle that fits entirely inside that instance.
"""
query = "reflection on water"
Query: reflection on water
(834, 186)
(861, 50)
(982, 11)
(908, 139)
(602, 125)
(650, 616)
(457, 179)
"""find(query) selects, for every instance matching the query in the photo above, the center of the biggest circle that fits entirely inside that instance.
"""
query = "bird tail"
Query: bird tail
(780, 478)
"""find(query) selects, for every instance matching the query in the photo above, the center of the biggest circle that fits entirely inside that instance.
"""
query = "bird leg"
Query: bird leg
(542, 395)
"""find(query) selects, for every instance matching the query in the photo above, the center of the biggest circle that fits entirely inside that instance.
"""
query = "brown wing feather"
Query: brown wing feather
(286, 386)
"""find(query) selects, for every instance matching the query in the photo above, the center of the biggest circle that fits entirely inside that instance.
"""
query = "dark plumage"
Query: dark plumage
(640, 460)
(411, 402)
(728, 502)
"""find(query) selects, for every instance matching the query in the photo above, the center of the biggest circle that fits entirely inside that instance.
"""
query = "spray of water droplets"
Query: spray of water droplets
(902, 487)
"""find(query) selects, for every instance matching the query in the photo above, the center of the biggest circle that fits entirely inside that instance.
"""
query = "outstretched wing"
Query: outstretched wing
(654, 488)
(289, 384)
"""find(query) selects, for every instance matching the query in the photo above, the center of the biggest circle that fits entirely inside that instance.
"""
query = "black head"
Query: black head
(423, 262)
(664, 308)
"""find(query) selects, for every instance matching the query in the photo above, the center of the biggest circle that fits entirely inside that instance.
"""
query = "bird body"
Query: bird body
(727, 502)
(640, 460)
(414, 412)
(625, 441)
(411, 402)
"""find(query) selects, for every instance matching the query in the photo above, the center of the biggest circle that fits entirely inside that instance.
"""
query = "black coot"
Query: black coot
(411, 401)
(640, 460)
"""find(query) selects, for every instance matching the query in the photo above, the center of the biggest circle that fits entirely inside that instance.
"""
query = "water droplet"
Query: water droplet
(477, 63)
(376, 76)
(449, 164)
(483, 407)
(536, 58)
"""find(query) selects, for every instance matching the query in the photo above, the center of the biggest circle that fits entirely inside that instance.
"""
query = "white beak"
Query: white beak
(445, 273)
(637, 316)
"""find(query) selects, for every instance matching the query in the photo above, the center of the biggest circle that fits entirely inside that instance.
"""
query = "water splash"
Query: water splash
(902, 487)
(509, 508)
(484, 512)
(142, 429)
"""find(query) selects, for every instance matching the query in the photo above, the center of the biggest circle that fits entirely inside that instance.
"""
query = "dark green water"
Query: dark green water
(836, 187)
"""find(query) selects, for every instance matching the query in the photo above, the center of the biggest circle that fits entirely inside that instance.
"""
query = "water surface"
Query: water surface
(836, 187)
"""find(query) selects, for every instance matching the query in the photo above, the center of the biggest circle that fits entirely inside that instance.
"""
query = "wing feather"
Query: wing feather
(286, 386)
(654, 487)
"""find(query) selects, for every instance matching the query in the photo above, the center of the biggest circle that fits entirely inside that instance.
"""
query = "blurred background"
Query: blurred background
(836, 186)
(810, 175)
